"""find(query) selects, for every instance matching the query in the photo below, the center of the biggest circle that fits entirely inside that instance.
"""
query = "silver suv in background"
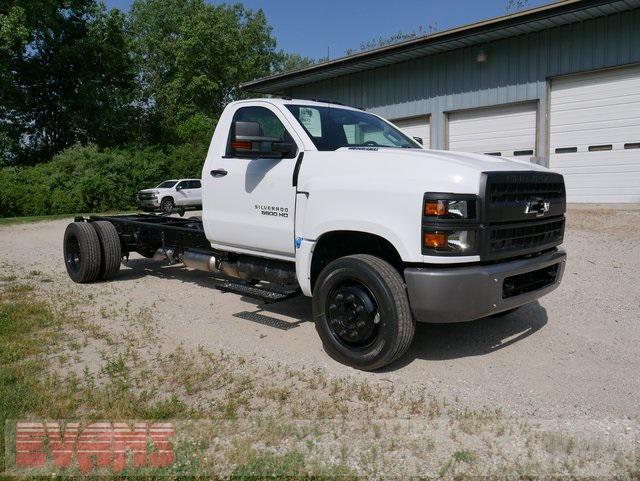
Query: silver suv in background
(168, 195)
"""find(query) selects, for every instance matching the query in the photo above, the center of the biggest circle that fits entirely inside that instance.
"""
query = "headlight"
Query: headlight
(450, 224)
(454, 242)
(450, 208)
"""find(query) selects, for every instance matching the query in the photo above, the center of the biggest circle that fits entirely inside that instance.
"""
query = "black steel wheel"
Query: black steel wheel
(361, 311)
(352, 314)
(110, 249)
(167, 205)
(82, 256)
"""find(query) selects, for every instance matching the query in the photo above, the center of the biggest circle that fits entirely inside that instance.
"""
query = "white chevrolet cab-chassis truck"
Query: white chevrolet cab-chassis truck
(338, 204)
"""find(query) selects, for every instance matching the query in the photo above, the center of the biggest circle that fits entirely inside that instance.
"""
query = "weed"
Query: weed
(464, 457)
(444, 468)
(19, 288)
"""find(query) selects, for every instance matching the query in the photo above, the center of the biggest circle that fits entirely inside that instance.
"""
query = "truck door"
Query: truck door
(196, 192)
(249, 199)
(182, 193)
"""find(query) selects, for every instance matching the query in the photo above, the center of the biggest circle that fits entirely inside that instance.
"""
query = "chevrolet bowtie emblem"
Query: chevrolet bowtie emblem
(537, 207)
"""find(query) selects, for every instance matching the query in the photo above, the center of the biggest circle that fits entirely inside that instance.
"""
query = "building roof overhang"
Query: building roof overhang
(548, 16)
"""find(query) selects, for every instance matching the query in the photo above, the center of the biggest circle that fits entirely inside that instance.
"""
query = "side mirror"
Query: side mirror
(249, 141)
(179, 187)
(418, 139)
(283, 148)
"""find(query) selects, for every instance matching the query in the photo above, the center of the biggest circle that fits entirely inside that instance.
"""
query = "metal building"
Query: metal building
(559, 84)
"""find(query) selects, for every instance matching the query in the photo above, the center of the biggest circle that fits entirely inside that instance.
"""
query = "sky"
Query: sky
(315, 28)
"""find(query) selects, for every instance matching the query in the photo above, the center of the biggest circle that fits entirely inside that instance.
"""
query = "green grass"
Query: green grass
(25, 324)
(35, 332)
(290, 466)
(464, 457)
(31, 335)
(43, 218)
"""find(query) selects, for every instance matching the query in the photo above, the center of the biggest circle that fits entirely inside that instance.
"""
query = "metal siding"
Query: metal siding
(517, 70)
(504, 129)
(598, 109)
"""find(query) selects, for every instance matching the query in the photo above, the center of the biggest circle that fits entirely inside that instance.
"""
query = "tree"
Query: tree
(69, 78)
(515, 5)
(399, 37)
(288, 62)
(192, 57)
(13, 37)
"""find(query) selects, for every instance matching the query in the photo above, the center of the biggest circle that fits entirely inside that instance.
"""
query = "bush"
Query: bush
(86, 179)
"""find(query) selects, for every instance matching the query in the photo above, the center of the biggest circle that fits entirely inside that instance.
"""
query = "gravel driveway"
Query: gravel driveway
(575, 353)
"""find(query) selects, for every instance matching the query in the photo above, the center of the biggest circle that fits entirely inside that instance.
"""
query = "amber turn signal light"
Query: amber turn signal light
(241, 145)
(435, 208)
(434, 240)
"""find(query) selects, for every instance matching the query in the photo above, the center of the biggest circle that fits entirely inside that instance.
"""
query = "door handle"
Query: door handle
(218, 173)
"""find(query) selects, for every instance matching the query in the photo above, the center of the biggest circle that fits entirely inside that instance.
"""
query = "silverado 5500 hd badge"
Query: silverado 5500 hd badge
(272, 210)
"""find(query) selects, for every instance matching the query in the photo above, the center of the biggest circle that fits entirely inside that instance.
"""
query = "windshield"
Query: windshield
(167, 184)
(331, 128)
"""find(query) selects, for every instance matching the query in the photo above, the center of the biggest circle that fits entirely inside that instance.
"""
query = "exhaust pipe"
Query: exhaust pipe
(245, 267)
(202, 262)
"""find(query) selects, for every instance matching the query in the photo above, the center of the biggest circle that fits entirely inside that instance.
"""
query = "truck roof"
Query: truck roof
(292, 101)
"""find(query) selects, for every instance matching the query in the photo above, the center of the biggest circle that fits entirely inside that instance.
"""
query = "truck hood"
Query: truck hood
(402, 170)
(477, 162)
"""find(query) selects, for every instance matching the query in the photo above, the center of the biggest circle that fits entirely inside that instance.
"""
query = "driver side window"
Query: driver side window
(270, 125)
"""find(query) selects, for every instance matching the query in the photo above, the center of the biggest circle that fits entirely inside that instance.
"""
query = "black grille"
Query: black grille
(529, 281)
(508, 195)
(540, 234)
(523, 192)
(522, 213)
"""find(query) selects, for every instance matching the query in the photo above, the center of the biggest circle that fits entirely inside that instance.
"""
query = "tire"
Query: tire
(110, 249)
(167, 205)
(505, 313)
(373, 286)
(82, 256)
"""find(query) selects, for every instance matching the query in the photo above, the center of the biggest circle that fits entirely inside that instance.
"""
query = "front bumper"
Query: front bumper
(142, 203)
(457, 294)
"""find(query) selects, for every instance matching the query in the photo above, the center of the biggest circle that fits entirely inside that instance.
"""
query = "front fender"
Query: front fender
(394, 217)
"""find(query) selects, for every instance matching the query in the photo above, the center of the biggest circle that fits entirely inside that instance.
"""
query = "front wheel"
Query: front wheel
(361, 311)
(167, 205)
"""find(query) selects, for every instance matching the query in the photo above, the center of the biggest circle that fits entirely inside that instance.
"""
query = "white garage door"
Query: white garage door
(595, 135)
(416, 127)
(506, 130)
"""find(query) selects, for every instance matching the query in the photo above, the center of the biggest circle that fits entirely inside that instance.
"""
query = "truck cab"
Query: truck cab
(379, 231)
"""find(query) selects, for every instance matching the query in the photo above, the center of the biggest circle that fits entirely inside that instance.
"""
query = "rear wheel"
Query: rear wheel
(362, 313)
(82, 256)
(110, 249)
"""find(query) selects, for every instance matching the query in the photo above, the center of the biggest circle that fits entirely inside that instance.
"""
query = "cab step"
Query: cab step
(269, 294)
